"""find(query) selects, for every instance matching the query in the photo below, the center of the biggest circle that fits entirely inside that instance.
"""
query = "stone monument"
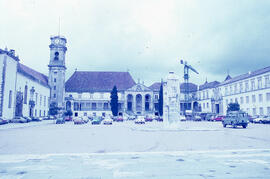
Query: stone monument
(171, 101)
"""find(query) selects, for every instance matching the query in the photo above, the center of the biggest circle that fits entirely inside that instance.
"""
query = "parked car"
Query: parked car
(37, 119)
(60, 120)
(3, 121)
(19, 120)
(258, 119)
(203, 116)
(159, 118)
(28, 119)
(140, 120)
(85, 119)
(182, 118)
(266, 120)
(218, 118)
(78, 120)
(119, 119)
(68, 118)
(210, 117)
(107, 121)
(236, 118)
(96, 120)
(49, 118)
(148, 118)
(197, 118)
(131, 117)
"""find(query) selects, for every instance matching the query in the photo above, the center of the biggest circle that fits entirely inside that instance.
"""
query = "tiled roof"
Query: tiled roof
(155, 86)
(188, 87)
(32, 74)
(207, 85)
(246, 75)
(90, 81)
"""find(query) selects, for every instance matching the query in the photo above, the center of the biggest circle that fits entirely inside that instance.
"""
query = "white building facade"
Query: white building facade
(24, 91)
(250, 90)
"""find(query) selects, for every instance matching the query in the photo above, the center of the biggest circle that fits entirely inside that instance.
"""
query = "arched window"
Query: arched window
(25, 94)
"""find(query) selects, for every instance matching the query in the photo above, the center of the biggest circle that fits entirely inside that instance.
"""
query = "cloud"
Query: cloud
(148, 38)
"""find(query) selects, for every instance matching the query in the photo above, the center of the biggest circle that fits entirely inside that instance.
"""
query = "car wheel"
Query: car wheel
(234, 126)
(245, 126)
(224, 125)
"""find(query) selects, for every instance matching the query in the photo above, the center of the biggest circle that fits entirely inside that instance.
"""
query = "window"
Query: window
(260, 98)
(156, 96)
(253, 99)
(254, 112)
(44, 100)
(267, 96)
(226, 91)
(10, 99)
(236, 100)
(235, 88)
(259, 83)
(267, 81)
(85, 114)
(247, 99)
(79, 96)
(241, 100)
(99, 105)
(94, 106)
(207, 105)
(252, 85)
(227, 102)
(55, 73)
(76, 106)
(36, 98)
(207, 96)
(119, 106)
(231, 92)
(246, 86)
(39, 113)
(203, 105)
(261, 111)
(88, 106)
(54, 80)
(44, 113)
(241, 87)
(54, 87)
(54, 95)
(204, 95)
(25, 94)
(106, 106)
(40, 100)
(35, 112)
(268, 111)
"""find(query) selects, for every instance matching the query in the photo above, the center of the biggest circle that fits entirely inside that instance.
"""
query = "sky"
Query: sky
(145, 37)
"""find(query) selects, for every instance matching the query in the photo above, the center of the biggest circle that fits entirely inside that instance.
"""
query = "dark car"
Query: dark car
(78, 120)
(218, 118)
(68, 118)
(159, 118)
(148, 118)
(119, 119)
(3, 121)
(60, 120)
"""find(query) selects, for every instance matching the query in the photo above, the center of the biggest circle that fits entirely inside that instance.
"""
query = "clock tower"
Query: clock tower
(57, 69)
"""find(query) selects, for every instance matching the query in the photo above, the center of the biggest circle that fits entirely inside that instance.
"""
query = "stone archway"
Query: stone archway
(139, 103)
(147, 102)
(68, 105)
(129, 102)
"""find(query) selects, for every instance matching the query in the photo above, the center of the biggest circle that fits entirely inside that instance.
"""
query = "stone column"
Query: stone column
(143, 103)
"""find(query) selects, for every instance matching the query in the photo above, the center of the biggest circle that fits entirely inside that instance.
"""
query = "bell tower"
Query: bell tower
(57, 69)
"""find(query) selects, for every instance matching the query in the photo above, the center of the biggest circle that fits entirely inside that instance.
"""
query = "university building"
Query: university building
(251, 90)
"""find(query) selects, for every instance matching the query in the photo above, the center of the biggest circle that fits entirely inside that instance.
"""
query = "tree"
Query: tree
(160, 100)
(233, 107)
(68, 113)
(54, 109)
(114, 101)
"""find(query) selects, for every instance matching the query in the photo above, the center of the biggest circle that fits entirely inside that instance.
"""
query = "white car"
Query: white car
(140, 120)
(182, 118)
(107, 121)
(258, 120)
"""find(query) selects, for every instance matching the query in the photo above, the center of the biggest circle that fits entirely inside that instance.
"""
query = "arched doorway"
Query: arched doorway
(147, 102)
(139, 103)
(196, 106)
(68, 105)
(129, 102)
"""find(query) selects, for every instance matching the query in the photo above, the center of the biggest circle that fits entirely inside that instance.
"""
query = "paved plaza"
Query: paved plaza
(126, 150)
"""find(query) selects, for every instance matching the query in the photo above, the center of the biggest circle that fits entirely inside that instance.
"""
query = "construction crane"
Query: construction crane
(186, 78)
